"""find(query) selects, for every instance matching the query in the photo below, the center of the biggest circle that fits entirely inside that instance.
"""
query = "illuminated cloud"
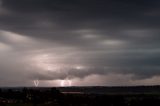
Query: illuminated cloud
(4, 47)
(109, 42)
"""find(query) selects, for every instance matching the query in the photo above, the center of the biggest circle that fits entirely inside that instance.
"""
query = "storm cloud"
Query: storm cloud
(81, 40)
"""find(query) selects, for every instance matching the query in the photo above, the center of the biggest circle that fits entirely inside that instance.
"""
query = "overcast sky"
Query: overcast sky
(79, 42)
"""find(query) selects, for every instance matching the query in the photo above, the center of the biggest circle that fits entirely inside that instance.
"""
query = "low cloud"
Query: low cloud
(80, 40)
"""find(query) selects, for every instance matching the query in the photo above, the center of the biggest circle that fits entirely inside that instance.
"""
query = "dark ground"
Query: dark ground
(81, 96)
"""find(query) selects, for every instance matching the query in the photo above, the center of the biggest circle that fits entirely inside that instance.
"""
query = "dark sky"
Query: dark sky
(79, 42)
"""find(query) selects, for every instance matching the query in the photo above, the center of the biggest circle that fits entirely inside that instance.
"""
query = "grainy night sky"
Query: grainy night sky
(79, 42)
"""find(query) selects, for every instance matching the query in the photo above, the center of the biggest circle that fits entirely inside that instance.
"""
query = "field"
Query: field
(81, 96)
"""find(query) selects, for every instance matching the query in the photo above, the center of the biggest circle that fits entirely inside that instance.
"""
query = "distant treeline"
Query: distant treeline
(113, 90)
(97, 89)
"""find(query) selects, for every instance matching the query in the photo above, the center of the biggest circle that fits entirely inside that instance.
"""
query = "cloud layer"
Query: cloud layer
(81, 40)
